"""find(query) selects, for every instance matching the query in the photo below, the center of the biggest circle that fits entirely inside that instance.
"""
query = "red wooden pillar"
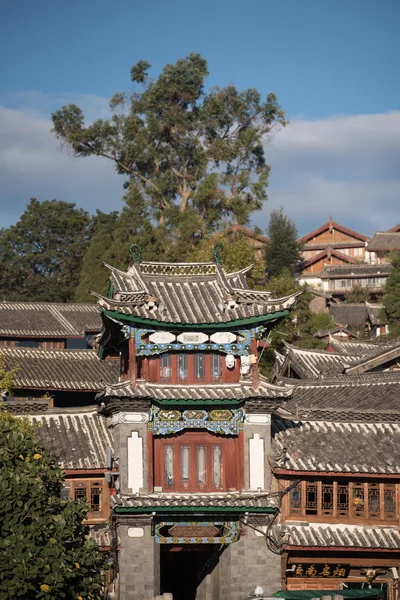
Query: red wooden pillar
(132, 360)
(255, 373)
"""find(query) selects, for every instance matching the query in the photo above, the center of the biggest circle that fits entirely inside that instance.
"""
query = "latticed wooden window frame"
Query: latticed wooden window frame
(91, 491)
(330, 500)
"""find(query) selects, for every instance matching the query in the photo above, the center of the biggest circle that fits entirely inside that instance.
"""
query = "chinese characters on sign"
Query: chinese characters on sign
(319, 570)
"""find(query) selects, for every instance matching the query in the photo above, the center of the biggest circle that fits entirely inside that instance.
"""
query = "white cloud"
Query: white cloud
(346, 166)
(32, 164)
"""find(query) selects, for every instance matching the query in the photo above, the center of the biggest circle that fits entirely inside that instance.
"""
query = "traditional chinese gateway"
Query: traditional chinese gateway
(193, 512)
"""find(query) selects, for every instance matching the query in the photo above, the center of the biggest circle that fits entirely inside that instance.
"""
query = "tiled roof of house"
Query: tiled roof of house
(46, 319)
(357, 270)
(101, 534)
(327, 252)
(395, 229)
(188, 293)
(358, 348)
(215, 391)
(349, 315)
(367, 363)
(77, 438)
(384, 241)
(310, 364)
(345, 447)
(218, 500)
(330, 535)
(362, 394)
(332, 225)
(77, 370)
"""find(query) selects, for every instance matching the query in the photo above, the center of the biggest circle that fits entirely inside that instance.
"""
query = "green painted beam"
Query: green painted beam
(215, 326)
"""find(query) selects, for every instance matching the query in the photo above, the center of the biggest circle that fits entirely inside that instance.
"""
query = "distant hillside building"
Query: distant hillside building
(330, 244)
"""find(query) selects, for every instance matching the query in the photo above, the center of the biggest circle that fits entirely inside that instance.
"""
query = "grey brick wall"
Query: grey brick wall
(248, 563)
(139, 562)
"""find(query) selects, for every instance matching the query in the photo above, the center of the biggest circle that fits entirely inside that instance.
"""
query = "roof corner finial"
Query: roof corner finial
(136, 251)
(217, 253)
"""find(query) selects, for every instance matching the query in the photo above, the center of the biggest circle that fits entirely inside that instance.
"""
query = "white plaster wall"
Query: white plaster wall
(135, 462)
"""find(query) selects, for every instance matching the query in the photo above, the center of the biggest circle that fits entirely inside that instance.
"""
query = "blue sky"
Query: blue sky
(332, 63)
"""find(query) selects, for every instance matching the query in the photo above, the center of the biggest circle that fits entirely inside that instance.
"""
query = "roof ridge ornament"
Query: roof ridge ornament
(217, 253)
(136, 252)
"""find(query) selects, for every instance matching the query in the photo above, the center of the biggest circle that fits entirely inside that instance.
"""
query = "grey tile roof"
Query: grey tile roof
(78, 439)
(238, 391)
(45, 319)
(79, 370)
(218, 500)
(101, 535)
(374, 361)
(192, 293)
(378, 392)
(342, 536)
(359, 348)
(354, 271)
(309, 364)
(384, 241)
(316, 446)
(349, 315)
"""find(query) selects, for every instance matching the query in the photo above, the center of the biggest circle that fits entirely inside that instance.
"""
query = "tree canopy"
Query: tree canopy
(191, 152)
(391, 298)
(41, 255)
(44, 551)
(282, 252)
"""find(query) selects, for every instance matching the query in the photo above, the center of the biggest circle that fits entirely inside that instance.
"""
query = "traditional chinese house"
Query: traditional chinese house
(337, 442)
(328, 245)
(381, 245)
(48, 325)
(194, 512)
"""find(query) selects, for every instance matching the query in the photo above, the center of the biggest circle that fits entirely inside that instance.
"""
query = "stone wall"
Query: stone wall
(139, 560)
(248, 563)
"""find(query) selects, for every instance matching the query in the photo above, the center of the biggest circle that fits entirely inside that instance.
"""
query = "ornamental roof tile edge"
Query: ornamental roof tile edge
(241, 391)
(214, 296)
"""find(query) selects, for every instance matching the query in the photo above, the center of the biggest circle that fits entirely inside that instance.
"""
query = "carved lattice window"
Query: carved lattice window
(358, 500)
(389, 501)
(344, 500)
(374, 503)
(295, 498)
(311, 498)
(327, 499)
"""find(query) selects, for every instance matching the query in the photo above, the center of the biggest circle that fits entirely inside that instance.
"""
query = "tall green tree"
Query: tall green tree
(93, 275)
(237, 254)
(185, 148)
(41, 256)
(282, 252)
(134, 226)
(44, 552)
(391, 298)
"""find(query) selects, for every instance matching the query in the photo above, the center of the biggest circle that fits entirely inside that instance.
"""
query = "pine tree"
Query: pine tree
(41, 256)
(282, 251)
(93, 275)
(134, 226)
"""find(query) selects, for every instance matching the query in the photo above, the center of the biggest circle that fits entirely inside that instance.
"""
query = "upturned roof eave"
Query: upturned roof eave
(211, 325)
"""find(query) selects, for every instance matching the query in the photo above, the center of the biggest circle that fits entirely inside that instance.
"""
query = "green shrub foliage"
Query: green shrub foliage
(44, 550)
